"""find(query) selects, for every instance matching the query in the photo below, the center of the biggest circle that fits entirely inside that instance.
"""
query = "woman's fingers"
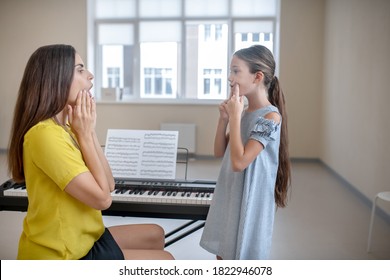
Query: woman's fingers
(82, 115)
(83, 104)
(70, 114)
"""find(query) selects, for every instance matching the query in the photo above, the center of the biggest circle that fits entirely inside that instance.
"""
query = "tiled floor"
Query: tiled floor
(324, 220)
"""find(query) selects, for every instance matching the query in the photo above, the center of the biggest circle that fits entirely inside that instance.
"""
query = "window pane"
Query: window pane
(115, 43)
(206, 8)
(116, 69)
(159, 70)
(253, 26)
(248, 33)
(158, 8)
(112, 61)
(115, 8)
(116, 34)
(254, 7)
(206, 60)
(160, 31)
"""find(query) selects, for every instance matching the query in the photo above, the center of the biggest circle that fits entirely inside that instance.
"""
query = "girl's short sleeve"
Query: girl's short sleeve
(264, 131)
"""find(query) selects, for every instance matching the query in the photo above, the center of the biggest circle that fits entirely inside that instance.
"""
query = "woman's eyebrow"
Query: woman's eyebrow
(81, 65)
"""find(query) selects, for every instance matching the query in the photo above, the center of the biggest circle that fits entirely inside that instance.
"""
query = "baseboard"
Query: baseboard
(355, 191)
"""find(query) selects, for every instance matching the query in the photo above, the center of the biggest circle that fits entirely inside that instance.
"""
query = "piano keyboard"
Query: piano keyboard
(171, 192)
(152, 198)
(16, 190)
(147, 192)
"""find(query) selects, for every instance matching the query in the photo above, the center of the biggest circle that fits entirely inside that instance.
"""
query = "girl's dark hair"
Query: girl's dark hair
(43, 93)
(260, 58)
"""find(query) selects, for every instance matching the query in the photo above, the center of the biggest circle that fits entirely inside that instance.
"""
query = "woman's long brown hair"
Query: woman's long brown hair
(43, 93)
(259, 58)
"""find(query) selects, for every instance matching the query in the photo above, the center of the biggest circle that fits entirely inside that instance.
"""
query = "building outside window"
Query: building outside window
(174, 50)
(157, 82)
(113, 77)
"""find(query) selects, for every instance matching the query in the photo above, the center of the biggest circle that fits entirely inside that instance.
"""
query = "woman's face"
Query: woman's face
(82, 80)
(240, 75)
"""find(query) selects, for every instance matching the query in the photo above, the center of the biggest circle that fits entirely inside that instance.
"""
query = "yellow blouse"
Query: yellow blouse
(56, 226)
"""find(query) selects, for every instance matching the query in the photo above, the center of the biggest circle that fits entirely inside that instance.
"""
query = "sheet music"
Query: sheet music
(146, 154)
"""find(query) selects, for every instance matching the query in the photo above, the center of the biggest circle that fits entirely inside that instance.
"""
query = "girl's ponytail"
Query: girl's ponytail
(283, 178)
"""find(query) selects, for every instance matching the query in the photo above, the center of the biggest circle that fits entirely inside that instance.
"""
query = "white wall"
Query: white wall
(356, 126)
(25, 26)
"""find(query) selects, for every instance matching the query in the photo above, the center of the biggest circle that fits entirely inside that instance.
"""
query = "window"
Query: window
(173, 50)
(158, 70)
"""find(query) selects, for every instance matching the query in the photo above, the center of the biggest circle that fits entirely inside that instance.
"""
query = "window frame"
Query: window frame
(94, 54)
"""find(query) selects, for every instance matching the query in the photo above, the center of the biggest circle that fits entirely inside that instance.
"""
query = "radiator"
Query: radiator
(187, 134)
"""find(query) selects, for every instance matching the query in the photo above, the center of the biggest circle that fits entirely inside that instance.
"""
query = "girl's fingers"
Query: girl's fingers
(235, 91)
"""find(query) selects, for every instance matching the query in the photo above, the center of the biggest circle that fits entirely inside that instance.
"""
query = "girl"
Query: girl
(55, 151)
(255, 171)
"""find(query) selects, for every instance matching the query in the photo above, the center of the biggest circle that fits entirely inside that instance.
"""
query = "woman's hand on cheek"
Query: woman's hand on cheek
(92, 109)
(82, 116)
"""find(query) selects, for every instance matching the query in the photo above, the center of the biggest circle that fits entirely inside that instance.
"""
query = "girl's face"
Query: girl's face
(82, 80)
(240, 75)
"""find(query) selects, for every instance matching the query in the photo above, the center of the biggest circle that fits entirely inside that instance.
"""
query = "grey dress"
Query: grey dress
(241, 216)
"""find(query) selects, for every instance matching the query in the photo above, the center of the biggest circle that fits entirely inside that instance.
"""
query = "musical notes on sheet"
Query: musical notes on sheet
(146, 154)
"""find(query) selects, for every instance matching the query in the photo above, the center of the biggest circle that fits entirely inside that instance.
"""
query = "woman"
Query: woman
(55, 151)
